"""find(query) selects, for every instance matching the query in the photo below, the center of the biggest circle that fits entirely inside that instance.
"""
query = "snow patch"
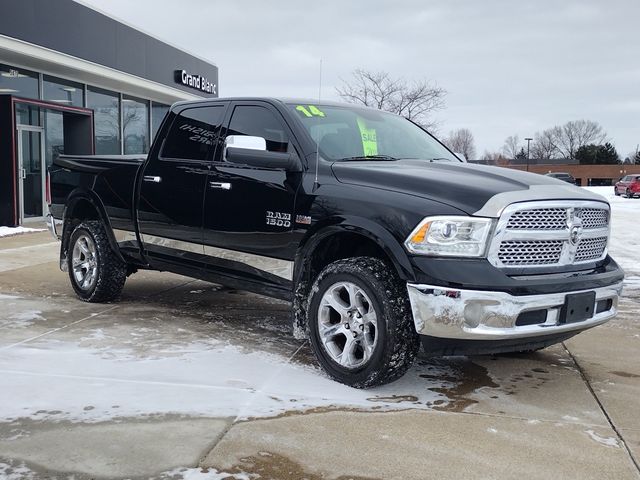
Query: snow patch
(569, 418)
(608, 441)
(23, 319)
(8, 297)
(20, 472)
(56, 380)
(12, 231)
(202, 474)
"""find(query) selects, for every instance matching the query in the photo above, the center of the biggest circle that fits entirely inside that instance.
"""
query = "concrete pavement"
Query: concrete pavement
(183, 379)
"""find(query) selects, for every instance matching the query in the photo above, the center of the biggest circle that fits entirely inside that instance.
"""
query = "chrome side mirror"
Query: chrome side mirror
(245, 141)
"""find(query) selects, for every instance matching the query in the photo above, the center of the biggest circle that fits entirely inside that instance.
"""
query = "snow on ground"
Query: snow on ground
(62, 380)
(11, 231)
(624, 246)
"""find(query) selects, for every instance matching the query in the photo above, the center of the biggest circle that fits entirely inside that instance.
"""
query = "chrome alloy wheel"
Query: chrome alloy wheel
(347, 325)
(85, 262)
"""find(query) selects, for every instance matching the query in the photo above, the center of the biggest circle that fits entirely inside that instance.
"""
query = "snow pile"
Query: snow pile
(12, 231)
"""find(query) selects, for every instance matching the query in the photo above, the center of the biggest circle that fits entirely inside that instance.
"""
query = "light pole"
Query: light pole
(528, 142)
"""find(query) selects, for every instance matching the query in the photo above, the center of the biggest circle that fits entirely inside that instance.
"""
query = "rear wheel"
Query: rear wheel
(361, 328)
(97, 274)
(628, 193)
(616, 192)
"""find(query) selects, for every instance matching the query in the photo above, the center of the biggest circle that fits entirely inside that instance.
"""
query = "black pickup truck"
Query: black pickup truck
(379, 236)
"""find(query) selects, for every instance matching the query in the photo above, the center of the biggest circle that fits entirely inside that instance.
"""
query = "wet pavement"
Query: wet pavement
(184, 379)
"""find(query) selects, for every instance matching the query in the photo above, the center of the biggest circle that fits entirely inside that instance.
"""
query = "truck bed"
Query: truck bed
(109, 179)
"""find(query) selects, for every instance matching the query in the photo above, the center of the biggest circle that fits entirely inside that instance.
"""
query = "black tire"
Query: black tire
(628, 193)
(616, 192)
(397, 343)
(110, 271)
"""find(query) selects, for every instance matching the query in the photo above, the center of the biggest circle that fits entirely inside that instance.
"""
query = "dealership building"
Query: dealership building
(76, 81)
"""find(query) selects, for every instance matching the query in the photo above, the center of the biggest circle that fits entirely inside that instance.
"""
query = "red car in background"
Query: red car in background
(628, 185)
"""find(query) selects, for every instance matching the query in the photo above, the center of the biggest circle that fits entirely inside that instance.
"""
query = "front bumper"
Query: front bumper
(449, 313)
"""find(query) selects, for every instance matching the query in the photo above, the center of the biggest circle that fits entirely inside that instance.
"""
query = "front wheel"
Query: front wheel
(96, 272)
(361, 328)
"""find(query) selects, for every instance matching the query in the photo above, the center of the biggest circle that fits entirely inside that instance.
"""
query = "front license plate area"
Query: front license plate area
(578, 307)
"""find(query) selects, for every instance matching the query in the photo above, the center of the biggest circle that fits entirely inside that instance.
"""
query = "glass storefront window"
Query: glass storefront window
(19, 82)
(53, 135)
(158, 111)
(62, 91)
(27, 114)
(106, 117)
(135, 125)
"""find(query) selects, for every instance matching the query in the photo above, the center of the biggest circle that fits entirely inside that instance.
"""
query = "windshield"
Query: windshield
(353, 133)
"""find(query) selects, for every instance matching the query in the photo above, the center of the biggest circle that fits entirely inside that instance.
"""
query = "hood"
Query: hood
(468, 187)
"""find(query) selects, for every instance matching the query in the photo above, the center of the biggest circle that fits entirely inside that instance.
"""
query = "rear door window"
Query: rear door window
(193, 133)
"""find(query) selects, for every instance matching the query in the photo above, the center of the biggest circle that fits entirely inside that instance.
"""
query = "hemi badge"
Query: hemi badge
(303, 219)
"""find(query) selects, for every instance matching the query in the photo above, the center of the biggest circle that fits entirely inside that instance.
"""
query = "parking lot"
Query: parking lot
(184, 379)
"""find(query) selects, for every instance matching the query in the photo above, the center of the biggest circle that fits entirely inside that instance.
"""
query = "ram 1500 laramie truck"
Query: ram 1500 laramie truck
(379, 236)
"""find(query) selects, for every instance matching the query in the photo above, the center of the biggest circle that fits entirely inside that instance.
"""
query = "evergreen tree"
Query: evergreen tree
(608, 154)
(521, 155)
(597, 154)
(637, 158)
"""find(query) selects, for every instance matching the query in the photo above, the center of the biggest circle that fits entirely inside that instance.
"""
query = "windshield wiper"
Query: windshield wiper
(369, 157)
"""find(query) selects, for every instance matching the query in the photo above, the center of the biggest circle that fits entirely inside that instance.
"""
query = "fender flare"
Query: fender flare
(84, 195)
(361, 226)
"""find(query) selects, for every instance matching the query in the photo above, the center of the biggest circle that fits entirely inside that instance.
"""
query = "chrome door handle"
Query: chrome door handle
(151, 178)
(220, 185)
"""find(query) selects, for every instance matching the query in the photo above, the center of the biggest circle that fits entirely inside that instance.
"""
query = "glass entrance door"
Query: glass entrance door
(31, 172)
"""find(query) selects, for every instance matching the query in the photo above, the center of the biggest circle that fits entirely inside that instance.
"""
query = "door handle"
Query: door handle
(220, 185)
(23, 173)
(151, 178)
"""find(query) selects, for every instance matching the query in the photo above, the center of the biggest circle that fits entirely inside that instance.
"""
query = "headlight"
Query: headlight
(450, 237)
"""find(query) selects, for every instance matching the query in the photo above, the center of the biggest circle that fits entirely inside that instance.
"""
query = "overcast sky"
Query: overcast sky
(510, 67)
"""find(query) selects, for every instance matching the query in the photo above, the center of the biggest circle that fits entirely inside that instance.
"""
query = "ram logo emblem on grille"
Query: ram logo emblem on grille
(574, 224)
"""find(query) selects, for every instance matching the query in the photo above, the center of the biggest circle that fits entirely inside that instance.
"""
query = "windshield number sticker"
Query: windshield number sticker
(310, 111)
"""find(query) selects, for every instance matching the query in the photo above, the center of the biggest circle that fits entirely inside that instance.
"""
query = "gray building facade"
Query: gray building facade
(74, 80)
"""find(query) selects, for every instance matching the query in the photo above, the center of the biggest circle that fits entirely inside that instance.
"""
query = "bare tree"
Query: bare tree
(511, 146)
(544, 145)
(569, 137)
(416, 100)
(461, 141)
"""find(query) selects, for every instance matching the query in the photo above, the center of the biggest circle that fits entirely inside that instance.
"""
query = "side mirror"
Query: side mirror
(246, 141)
(252, 151)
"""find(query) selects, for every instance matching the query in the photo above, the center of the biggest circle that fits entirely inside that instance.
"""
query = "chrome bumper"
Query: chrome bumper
(55, 227)
(485, 315)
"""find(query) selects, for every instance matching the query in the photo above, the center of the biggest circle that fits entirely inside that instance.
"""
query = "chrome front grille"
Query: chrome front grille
(538, 219)
(530, 252)
(591, 249)
(550, 234)
(595, 218)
